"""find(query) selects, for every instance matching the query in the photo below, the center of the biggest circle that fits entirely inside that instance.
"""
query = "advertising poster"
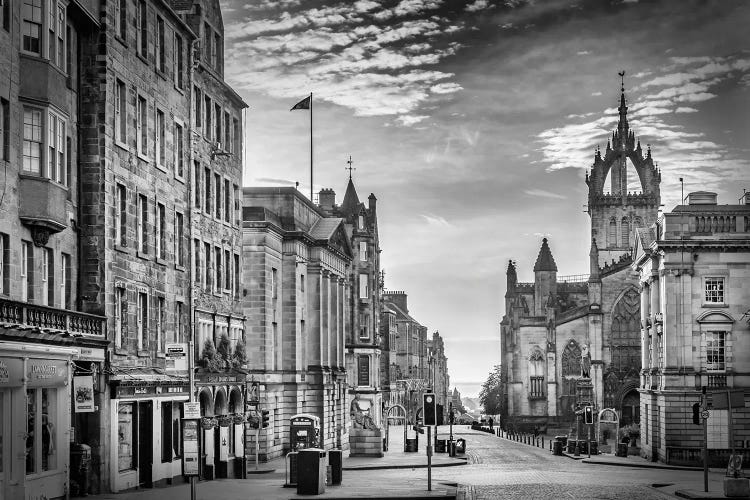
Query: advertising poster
(84, 393)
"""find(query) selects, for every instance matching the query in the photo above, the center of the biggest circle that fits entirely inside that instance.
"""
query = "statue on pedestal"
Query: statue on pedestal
(361, 419)
(585, 362)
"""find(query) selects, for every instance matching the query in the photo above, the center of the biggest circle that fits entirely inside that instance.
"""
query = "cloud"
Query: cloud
(436, 220)
(683, 109)
(477, 5)
(596, 94)
(583, 52)
(544, 194)
(375, 69)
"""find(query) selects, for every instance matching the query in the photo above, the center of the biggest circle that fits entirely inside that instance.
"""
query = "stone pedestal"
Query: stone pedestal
(585, 392)
(365, 442)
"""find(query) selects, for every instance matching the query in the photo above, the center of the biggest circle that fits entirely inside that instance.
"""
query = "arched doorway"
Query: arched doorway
(630, 409)
(206, 401)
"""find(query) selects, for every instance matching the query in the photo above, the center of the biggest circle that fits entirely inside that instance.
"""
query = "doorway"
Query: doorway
(631, 408)
(145, 444)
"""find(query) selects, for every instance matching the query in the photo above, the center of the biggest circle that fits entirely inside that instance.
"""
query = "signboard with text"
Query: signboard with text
(190, 454)
(83, 389)
(175, 355)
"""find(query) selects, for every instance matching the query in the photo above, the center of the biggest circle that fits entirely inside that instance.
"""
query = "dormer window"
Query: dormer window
(361, 222)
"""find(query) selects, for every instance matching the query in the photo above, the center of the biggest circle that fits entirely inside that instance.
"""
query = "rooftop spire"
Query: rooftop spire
(350, 168)
(623, 109)
(545, 261)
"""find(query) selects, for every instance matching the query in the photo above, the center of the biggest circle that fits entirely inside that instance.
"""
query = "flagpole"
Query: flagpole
(311, 148)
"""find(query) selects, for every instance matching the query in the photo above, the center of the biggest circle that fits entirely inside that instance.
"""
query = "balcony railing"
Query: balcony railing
(717, 380)
(13, 313)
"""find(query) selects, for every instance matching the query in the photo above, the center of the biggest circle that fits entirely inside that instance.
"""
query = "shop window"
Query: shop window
(126, 433)
(41, 432)
(170, 431)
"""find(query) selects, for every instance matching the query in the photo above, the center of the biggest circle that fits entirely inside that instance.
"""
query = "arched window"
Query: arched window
(625, 233)
(626, 332)
(612, 235)
(571, 359)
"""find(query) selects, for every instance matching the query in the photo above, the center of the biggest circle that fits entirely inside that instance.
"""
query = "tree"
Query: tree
(239, 356)
(491, 395)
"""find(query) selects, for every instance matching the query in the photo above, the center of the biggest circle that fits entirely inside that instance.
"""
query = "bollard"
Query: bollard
(542, 441)
(550, 445)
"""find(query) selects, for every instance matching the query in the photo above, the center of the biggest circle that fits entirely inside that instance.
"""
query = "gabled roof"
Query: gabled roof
(324, 228)
(545, 261)
(644, 238)
(350, 205)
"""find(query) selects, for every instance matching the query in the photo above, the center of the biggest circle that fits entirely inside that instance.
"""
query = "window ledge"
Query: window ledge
(180, 268)
(143, 354)
(715, 305)
(161, 167)
(144, 157)
(124, 249)
(161, 73)
(180, 178)
(121, 351)
(121, 40)
(122, 145)
(160, 261)
(142, 57)
(161, 355)
(142, 255)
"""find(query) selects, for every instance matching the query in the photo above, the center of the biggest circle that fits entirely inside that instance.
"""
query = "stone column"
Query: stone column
(314, 313)
(334, 328)
(325, 318)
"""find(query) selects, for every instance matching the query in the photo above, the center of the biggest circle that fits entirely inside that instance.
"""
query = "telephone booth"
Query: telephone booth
(304, 431)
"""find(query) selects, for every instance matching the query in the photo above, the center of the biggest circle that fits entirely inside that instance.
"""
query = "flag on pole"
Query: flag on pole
(303, 104)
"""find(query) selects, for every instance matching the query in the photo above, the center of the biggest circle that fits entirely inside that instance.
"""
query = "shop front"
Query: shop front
(222, 443)
(146, 438)
(34, 398)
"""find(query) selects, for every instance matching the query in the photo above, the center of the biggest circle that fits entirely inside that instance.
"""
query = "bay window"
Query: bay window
(31, 26)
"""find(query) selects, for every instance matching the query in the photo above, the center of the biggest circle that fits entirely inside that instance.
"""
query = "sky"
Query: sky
(474, 122)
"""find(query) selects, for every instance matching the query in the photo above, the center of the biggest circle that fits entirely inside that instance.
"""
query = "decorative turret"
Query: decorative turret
(350, 205)
(594, 262)
(545, 279)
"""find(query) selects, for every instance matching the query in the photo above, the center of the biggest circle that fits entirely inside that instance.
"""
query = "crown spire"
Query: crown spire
(623, 109)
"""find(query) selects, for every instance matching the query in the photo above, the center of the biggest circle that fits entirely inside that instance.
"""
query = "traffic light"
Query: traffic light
(430, 408)
(264, 418)
(697, 413)
(588, 414)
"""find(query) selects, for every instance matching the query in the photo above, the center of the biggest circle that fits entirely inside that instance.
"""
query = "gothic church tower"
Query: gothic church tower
(616, 214)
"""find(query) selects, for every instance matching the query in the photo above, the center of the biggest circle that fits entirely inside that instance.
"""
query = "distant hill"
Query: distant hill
(471, 404)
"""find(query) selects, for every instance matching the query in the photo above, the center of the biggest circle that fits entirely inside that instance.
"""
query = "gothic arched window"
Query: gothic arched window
(571, 359)
(625, 341)
(625, 233)
(612, 235)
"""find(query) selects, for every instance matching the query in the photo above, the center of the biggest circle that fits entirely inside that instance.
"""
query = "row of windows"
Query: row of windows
(213, 48)
(216, 268)
(44, 21)
(144, 25)
(145, 228)
(216, 195)
(46, 278)
(217, 123)
(150, 319)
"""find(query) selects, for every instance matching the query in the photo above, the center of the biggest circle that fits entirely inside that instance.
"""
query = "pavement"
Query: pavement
(357, 483)
(493, 467)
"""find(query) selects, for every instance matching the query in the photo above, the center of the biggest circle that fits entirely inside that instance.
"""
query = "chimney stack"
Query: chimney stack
(326, 199)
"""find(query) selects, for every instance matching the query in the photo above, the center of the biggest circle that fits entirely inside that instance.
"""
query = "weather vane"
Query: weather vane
(622, 80)
(350, 168)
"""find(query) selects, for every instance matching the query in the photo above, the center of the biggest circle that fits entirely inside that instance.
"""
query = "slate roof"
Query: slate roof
(646, 235)
(545, 261)
(324, 228)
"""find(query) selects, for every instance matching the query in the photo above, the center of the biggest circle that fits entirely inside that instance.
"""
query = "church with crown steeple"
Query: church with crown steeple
(571, 341)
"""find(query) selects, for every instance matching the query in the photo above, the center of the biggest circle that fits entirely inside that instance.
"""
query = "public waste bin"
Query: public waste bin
(411, 445)
(80, 461)
(335, 460)
(622, 450)
(562, 439)
(557, 448)
(451, 448)
(440, 446)
(460, 445)
(311, 471)
(594, 447)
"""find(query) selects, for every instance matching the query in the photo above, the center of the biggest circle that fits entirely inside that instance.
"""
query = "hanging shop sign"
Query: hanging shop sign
(11, 372)
(83, 390)
(91, 354)
(46, 372)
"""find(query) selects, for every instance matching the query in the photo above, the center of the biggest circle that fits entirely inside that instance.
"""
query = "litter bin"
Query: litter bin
(80, 460)
(460, 445)
(311, 471)
(451, 448)
(336, 463)
(594, 447)
(571, 446)
(583, 446)
(411, 445)
(622, 450)
(440, 446)
(557, 448)
(562, 439)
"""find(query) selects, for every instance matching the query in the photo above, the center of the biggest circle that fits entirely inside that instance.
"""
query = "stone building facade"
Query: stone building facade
(100, 133)
(363, 348)
(437, 364)
(694, 265)
(295, 293)
(570, 340)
